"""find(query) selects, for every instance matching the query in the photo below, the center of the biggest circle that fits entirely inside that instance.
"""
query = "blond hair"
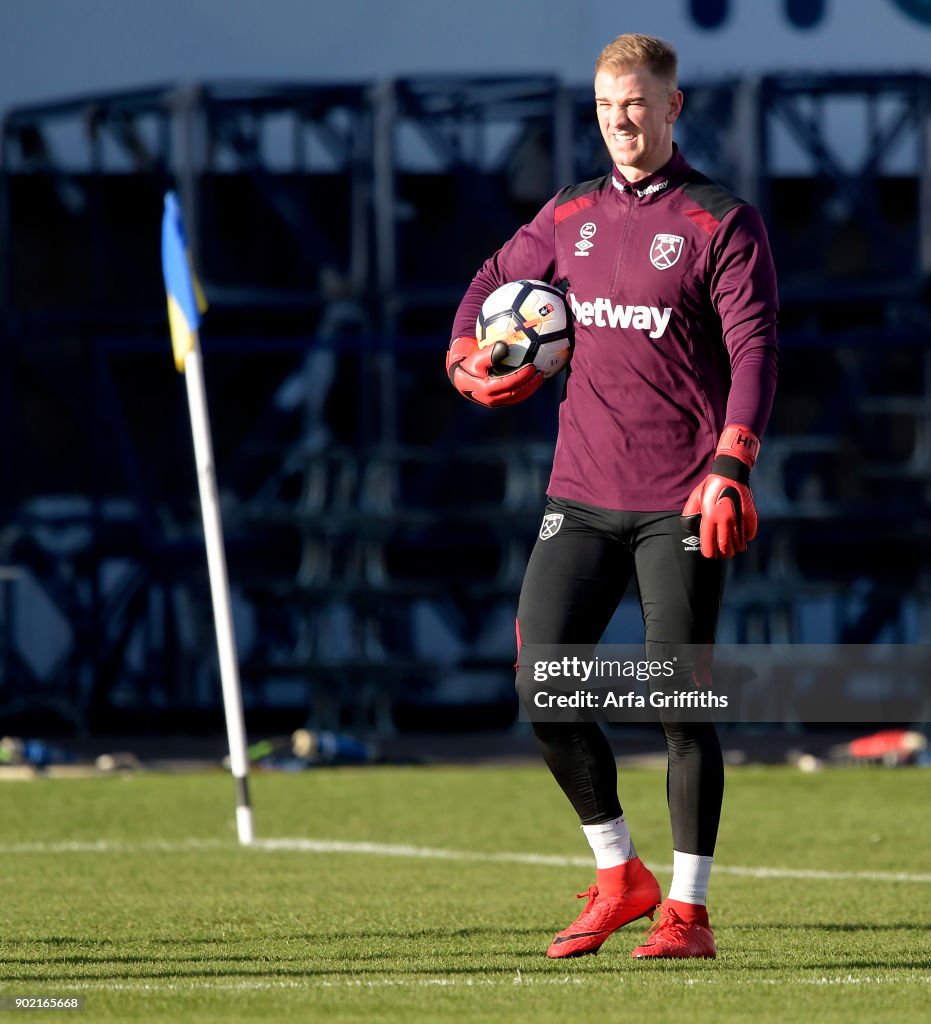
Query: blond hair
(638, 51)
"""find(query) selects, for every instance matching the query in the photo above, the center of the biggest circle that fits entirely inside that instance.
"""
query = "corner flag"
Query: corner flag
(185, 304)
(186, 300)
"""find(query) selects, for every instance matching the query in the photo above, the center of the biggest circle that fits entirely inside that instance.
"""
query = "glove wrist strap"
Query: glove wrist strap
(733, 469)
(739, 443)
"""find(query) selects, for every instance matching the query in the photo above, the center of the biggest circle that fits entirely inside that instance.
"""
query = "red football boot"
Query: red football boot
(604, 914)
(682, 931)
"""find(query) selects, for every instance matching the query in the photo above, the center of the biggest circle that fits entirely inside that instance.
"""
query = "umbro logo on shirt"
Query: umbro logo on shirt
(584, 244)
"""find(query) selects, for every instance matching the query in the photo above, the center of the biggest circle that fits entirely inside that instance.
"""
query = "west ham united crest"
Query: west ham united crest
(665, 250)
(550, 525)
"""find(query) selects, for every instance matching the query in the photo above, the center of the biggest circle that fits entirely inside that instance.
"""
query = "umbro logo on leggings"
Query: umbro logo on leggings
(550, 525)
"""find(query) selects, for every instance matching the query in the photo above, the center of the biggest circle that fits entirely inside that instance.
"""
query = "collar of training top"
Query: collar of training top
(647, 189)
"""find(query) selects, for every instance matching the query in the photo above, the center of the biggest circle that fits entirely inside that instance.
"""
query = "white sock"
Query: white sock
(610, 842)
(690, 876)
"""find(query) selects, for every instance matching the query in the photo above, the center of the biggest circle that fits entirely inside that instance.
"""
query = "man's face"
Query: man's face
(636, 112)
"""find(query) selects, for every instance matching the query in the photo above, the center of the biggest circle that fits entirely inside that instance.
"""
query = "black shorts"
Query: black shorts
(583, 561)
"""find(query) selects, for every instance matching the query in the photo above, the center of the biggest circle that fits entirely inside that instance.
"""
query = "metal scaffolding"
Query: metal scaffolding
(334, 227)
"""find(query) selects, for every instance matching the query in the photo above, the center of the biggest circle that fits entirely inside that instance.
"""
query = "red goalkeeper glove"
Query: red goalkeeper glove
(720, 511)
(470, 372)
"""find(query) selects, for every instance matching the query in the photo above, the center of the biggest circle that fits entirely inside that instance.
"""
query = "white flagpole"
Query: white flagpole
(185, 304)
(219, 588)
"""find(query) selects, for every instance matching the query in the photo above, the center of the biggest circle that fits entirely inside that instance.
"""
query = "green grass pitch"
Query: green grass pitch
(133, 893)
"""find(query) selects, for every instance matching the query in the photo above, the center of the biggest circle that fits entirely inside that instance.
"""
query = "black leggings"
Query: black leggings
(577, 574)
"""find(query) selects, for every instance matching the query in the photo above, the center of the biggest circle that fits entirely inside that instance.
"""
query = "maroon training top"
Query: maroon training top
(673, 290)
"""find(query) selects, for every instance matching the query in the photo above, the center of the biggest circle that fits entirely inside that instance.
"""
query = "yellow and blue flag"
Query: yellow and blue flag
(186, 299)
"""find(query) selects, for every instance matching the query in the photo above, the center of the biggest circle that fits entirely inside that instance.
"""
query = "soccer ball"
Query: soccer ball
(533, 320)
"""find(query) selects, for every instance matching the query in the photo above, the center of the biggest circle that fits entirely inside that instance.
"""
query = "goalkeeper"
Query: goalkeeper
(673, 290)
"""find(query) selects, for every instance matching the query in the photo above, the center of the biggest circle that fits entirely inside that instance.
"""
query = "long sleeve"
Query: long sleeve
(744, 294)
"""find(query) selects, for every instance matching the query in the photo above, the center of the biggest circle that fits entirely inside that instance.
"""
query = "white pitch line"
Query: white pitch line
(424, 852)
(550, 860)
(298, 845)
(518, 979)
(117, 846)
